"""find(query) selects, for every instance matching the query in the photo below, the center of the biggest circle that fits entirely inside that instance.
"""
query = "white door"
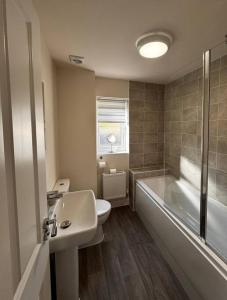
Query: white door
(24, 256)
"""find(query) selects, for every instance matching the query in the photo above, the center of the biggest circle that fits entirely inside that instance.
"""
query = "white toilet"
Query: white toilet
(103, 209)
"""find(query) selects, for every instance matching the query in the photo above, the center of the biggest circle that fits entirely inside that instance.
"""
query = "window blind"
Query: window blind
(112, 110)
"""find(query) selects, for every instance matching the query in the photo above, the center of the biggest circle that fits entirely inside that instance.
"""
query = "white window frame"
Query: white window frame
(98, 98)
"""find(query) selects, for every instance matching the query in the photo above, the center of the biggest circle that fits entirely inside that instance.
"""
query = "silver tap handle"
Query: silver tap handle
(54, 230)
(46, 230)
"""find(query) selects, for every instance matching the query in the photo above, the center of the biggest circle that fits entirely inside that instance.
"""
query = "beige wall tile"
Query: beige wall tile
(136, 138)
(190, 114)
(222, 93)
(150, 148)
(222, 145)
(214, 95)
(222, 111)
(223, 76)
(222, 162)
(136, 115)
(222, 128)
(135, 160)
(189, 127)
(185, 159)
(146, 123)
(136, 126)
(214, 78)
(191, 100)
(213, 128)
(213, 111)
(136, 148)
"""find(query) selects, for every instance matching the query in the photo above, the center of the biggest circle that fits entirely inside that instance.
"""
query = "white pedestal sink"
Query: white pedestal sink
(79, 208)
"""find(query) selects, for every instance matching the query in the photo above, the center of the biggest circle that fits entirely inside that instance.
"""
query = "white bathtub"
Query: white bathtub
(168, 207)
(184, 201)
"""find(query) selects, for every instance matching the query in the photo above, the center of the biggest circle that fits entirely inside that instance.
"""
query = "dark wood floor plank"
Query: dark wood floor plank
(114, 276)
(132, 227)
(160, 267)
(127, 264)
(135, 287)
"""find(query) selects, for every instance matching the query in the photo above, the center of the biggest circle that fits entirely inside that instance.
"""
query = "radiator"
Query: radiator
(114, 185)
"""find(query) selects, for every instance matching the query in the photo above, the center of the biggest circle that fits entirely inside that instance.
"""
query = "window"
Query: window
(112, 125)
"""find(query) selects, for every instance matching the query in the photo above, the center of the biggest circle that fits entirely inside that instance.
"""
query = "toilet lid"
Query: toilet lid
(102, 207)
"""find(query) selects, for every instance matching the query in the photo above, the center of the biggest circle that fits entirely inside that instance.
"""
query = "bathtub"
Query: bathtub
(169, 208)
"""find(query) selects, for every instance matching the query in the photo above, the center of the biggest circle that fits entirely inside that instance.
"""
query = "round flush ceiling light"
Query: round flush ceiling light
(154, 44)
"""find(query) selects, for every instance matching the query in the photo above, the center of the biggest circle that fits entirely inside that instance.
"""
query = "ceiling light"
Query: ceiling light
(154, 44)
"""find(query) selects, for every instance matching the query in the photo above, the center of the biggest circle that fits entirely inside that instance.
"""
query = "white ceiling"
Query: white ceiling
(105, 31)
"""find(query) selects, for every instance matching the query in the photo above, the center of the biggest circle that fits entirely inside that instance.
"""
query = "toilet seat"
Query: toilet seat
(102, 207)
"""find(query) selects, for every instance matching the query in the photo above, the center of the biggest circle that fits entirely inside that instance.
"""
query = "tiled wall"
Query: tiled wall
(182, 120)
(178, 106)
(146, 121)
(218, 130)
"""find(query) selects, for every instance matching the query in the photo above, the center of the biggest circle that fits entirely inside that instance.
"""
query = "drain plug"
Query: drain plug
(65, 224)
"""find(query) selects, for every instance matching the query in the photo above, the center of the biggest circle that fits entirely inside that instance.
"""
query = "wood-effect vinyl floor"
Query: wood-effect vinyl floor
(127, 264)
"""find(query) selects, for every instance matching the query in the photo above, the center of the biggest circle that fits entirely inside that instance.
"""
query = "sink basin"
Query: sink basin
(80, 209)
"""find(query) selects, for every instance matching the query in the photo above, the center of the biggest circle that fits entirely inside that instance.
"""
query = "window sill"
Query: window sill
(111, 153)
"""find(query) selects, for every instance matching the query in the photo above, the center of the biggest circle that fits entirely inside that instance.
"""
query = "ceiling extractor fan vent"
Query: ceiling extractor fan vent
(75, 59)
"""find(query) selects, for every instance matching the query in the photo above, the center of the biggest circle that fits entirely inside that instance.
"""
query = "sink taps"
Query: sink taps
(54, 227)
(46, 230)
(52, 196)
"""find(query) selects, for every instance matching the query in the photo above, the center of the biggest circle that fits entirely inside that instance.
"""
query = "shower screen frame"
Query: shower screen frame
(205, 143)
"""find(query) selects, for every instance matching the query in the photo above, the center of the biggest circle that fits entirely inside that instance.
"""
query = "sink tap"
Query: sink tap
(52, 196)
(46, 231)
(54, 227)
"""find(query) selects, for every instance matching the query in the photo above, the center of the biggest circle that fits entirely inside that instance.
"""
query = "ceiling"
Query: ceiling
(105, 32)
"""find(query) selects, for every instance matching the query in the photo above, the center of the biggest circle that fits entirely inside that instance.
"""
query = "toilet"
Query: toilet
(103, 209)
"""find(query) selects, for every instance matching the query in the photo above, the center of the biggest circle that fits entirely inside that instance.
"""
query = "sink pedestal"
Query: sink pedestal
(80, 209)
(67, 274)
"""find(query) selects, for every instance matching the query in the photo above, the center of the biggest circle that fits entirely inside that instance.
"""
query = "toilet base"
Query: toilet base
(98, 238)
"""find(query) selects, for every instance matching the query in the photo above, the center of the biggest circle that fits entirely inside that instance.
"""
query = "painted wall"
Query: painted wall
(77, 126)
(108, 87)
(117, 88)
(50, 111)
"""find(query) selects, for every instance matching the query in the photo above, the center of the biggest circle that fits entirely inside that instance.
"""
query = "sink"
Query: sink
(80, 209)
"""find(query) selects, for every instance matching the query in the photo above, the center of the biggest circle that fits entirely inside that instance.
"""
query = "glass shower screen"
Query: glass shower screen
(216, 223)
(182, 155)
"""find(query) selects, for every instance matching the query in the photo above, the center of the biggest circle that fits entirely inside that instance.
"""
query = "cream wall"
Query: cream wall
(77, 126)
(108, 87)
(71, 135)
(118, 88)
(50, 112)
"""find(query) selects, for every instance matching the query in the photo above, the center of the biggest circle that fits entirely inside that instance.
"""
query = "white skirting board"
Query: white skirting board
(114, 185)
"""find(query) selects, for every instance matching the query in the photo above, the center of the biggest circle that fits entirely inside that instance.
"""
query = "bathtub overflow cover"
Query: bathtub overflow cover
(65, 224)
